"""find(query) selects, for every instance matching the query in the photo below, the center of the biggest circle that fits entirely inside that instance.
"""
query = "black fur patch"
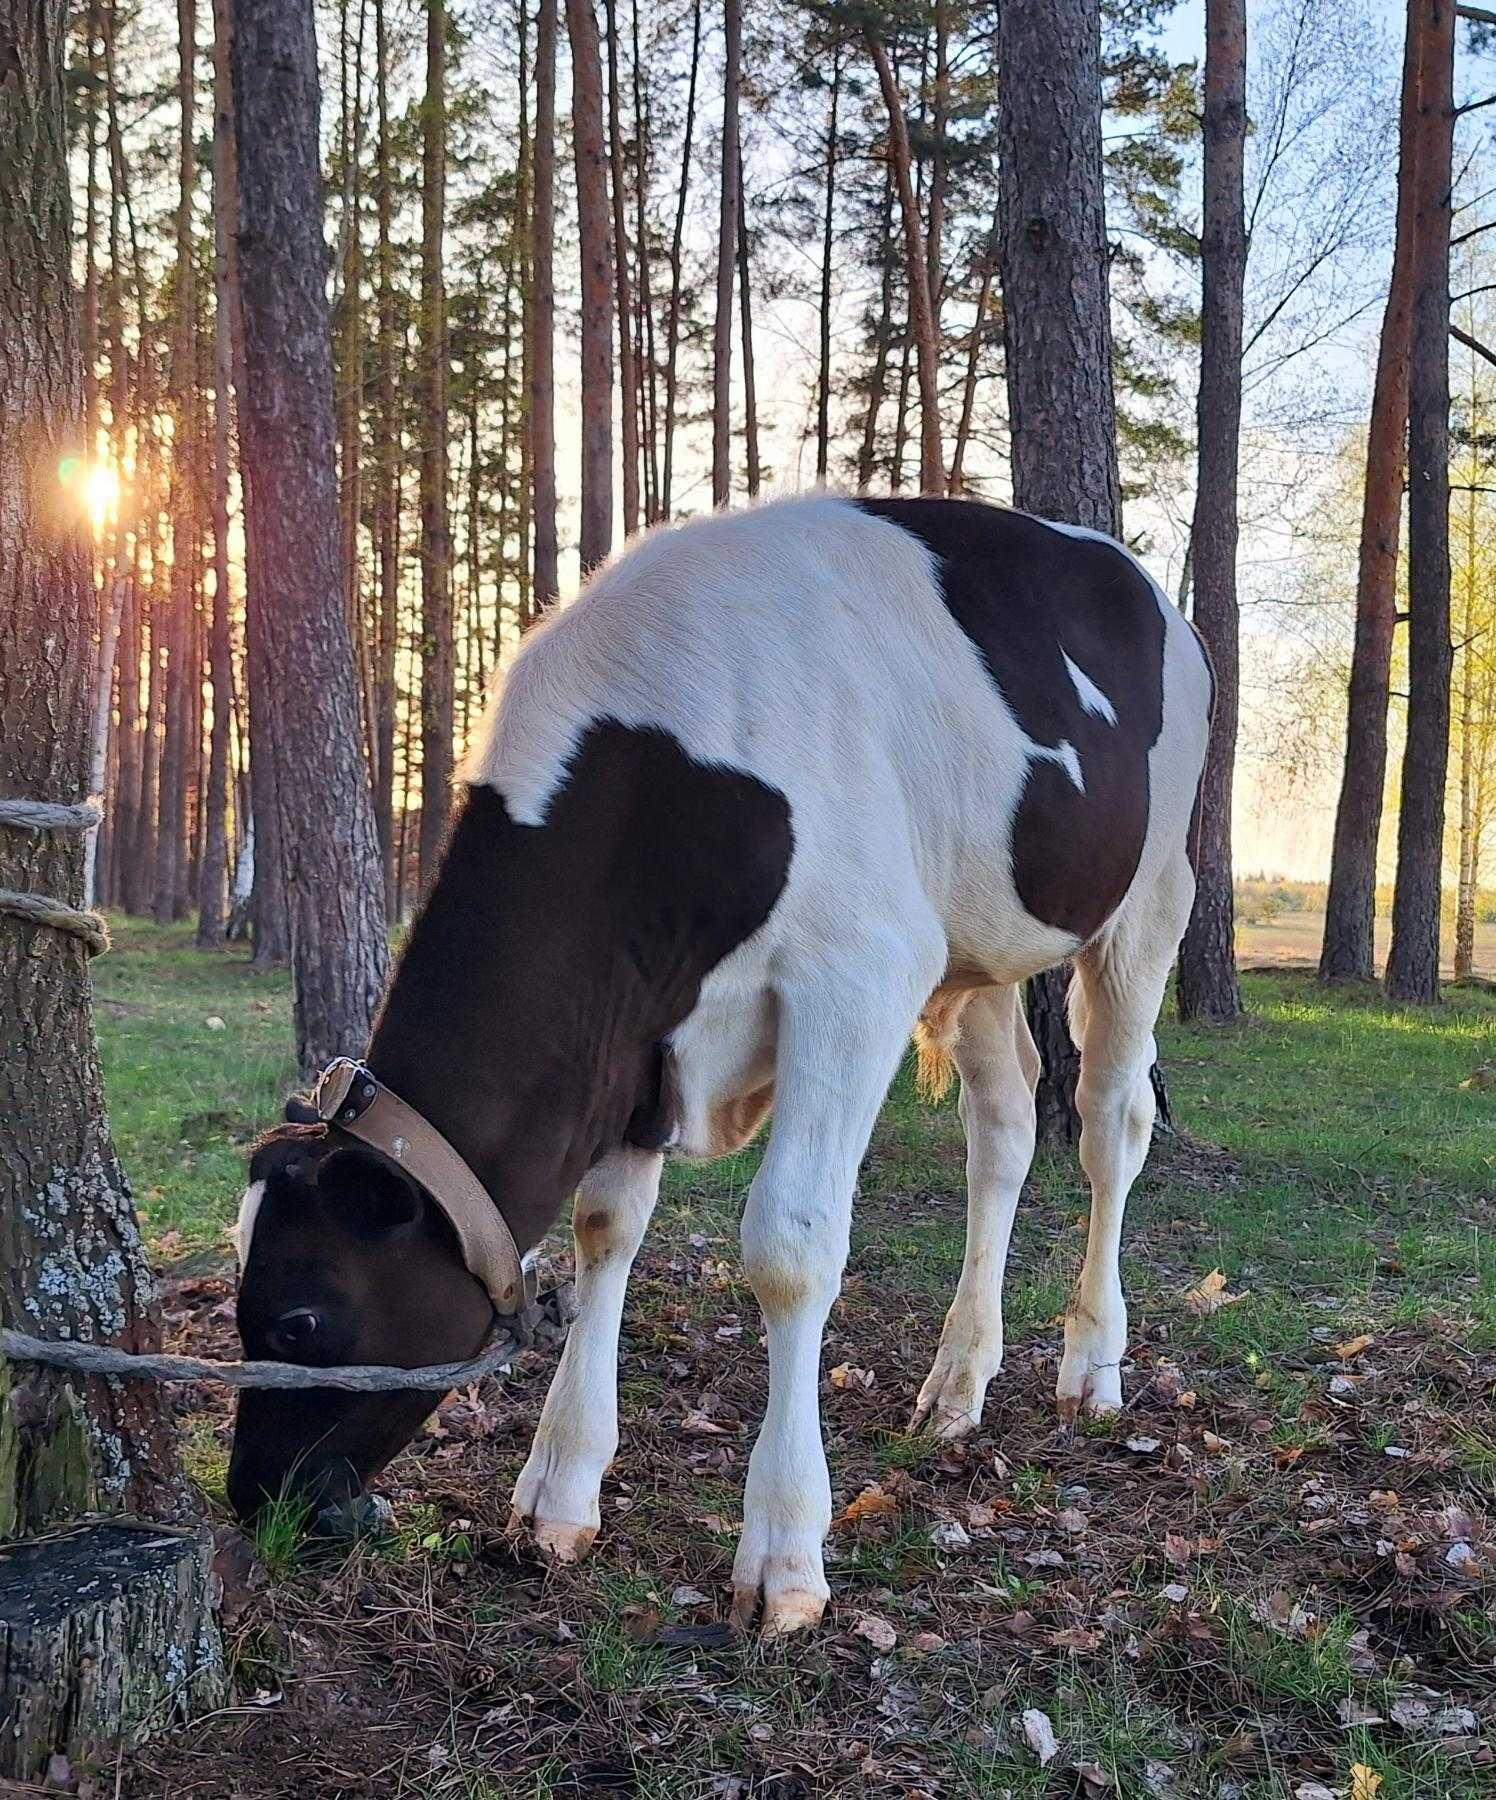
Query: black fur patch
(1027, 596)
(526, 1014)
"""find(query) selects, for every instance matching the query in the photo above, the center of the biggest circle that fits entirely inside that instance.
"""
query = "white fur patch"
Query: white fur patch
(1064, 754)
(249, 1208)
(1091, 696)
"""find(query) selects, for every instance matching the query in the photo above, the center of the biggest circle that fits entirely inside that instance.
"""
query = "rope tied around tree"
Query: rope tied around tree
(42, 909)
(544, 1322)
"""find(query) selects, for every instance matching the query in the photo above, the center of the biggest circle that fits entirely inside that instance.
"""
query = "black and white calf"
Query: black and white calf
(781, 788)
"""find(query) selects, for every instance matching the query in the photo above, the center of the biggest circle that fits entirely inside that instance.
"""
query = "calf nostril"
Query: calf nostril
(294, 1330)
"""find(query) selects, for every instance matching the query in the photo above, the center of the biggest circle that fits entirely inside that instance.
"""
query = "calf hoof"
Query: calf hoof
(783, 1575)
(1084, 1387)
(784, 1613)
(557, 1540)
(950, 1403)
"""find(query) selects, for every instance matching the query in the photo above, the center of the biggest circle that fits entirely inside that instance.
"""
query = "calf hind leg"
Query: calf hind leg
(1121, 980)
(999, 1067)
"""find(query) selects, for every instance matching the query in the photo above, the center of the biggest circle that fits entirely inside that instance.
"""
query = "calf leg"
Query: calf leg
(999, 1067)
(1122, 980)
(557, 1491)
(840, 1039)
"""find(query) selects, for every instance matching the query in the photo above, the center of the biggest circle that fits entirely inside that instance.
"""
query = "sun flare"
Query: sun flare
(95, 486)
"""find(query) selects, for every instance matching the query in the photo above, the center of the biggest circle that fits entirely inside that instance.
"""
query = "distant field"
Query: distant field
(1295, 938)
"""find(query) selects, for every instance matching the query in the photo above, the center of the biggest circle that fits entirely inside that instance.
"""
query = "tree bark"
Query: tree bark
(1208, 986)
(107, 1635)
(751, 454)
(590, 144)
(727, 231)
(957, 482)
(921, 315)
(867, 453)
(1057, 330)
(71, 1259)
(627, 370)
(677, 265)
(329, 848)
(176, 746)
(541, 322)
(1466, 893)
(828, 215)
(649, 387)
(437, 673)
(212, 918)
(1413, 959)
(1348, 951)
(387, 461)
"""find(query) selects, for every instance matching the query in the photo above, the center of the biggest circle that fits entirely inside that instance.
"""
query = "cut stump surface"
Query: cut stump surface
(107, 1635)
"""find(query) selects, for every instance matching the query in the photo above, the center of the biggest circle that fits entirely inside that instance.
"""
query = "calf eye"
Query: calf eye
(294, 1330)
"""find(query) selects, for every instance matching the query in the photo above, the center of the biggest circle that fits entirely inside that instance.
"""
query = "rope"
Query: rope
(39, 909)
(543, 1322)
(357, 1378)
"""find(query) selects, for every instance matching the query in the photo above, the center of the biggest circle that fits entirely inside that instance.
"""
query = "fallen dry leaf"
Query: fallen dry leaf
(1210, 1295)
(698, 1424)
(870, 1503)
(1039, 1734)
(1354, 1346)
(877, 1630)
(1076, 1637)
(845, 1376)
(1364, 1782)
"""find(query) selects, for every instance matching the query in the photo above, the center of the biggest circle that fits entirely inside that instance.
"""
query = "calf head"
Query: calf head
(343, 1259)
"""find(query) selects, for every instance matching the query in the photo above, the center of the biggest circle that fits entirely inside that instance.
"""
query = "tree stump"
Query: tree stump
(107, 1635)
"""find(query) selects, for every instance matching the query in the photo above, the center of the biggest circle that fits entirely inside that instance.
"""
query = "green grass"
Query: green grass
(1354, 1197)
(185, 1098)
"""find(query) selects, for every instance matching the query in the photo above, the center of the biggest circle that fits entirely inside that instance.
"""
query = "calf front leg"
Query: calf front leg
(556, 1495)
(839, 1044)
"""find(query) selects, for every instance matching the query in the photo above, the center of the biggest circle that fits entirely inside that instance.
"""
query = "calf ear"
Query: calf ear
(300, 1111)
(373, 1197)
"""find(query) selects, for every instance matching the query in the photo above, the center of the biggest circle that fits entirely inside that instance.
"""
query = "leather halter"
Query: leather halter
(349, 1096)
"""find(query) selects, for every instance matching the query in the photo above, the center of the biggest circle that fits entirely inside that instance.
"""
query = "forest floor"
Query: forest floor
(1272, 1575)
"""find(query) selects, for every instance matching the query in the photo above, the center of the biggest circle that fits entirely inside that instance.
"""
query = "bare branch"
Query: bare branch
(1470, 343)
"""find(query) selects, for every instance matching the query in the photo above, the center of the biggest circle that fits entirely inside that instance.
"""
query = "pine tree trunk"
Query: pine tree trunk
(921, 315)
(212, 919)
(1208, 986)
(1057, 328)
(677, 266)
(867, 452)
(171, 825)
(750, 372)
(328, 845)
(437, 675)
(594, 229)
(71, 1259)
(727, 231)
(649, 388)
(627, 371)
(957, 483)
(125, 797)
(269, 918)
(828, 216)
(1466, 895)
(1413, 959)
(1348, 951)
(387, 456)
(939, 153)
(541, 313)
